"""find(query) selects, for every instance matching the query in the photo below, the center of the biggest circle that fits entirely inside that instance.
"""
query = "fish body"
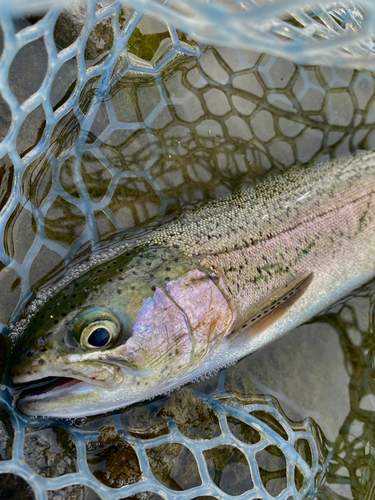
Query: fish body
(201, 292)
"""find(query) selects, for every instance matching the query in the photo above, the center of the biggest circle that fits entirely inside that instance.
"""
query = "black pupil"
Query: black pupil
(99, 337)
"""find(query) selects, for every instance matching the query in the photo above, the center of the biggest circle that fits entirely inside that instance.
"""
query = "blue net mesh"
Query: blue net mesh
(308, 32)
(300, 473)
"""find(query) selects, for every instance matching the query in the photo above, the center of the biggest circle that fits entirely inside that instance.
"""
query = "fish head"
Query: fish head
(125, 331)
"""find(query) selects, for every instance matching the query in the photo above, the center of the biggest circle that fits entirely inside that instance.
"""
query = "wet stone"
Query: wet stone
(229, 469)
(304, 449)
(213, 68)
(67, 177)
(96, 177)
(6, 434)
(13, 487)
(122, 99)
(193, 416)
(263, 126)
(308, 91)
(88, 94)
(309, 144)
(271, 421)
(174, 466)
(73, 492)
(5, 118)
(24, 81)
(148, 98)
(217, 102)
(276, 72)
(145, 421)
(363, 89)
(100, 123)
(106, 229)
(37, 180)
(19, 233)
(272, 468)
(134, 202)
(64, 222)
(136, 151)
(65, 133)
(248, 83)
(10, 284)
(6, 180)
(50, 451)
(70, 24)
(112, 460)
(31, 130)
(43, 268)
(64, 84)
(339, 109)
(242, 431)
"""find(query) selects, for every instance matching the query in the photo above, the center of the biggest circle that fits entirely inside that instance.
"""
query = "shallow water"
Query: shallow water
(174, 133)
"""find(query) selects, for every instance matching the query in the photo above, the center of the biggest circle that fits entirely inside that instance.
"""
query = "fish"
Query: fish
(199, 292)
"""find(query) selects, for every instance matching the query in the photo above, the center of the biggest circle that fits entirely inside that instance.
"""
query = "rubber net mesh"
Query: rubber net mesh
(107, 125)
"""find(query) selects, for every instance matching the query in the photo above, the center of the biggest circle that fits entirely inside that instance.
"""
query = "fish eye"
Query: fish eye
(99, 334)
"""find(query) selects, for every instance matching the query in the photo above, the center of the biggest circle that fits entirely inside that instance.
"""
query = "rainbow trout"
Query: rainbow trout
(199, 293)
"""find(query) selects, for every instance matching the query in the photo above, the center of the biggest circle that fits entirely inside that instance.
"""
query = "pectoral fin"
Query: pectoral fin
(271, 309)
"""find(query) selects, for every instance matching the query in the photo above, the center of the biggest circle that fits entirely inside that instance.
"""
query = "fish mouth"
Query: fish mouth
(44, 386)
(33, 398)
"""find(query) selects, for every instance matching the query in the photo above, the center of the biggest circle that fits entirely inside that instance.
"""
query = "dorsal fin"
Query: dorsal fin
(271, 309)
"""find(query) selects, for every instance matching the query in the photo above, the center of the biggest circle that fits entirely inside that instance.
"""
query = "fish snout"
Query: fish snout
(29, 359)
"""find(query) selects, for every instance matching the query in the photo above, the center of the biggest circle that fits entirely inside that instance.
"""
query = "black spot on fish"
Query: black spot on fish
(55, 322)
(41, 361)
(153, 288)
(120, 278)
(29, 354)
(119, 291)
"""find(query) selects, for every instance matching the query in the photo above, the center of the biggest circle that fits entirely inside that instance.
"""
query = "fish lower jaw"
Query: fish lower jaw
(31, 400)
